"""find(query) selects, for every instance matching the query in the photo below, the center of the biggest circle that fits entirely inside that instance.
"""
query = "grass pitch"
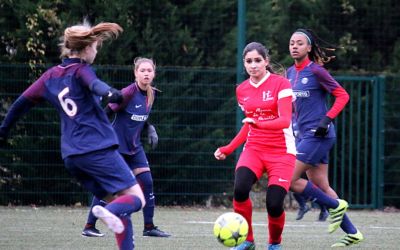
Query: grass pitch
(60, 228)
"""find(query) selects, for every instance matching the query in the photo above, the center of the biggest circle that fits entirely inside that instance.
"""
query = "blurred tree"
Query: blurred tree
(203, 32)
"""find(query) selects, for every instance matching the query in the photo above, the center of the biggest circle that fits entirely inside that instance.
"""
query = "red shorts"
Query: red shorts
(279, 168)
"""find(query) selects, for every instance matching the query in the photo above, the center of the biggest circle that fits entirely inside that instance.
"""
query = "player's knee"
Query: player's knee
(275, 198)
(136, 191)
(244, 180)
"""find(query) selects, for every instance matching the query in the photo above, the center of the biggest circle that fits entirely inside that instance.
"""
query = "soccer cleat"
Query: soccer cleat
(274, 246)
(111, 220)
(246, 245)
(349, 239)
(91, 232)
(302, 211)
(155, 232)
(323, 215)
(336, 215)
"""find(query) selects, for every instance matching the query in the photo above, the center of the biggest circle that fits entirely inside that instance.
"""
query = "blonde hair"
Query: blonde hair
(150, 89)
(78, 37)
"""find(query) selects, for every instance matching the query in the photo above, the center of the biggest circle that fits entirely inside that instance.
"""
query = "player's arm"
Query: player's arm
(17, 109)
(97, 86)
(22, 105)
(239, 139)
(127, 94)
(341, 99)
(101, 88)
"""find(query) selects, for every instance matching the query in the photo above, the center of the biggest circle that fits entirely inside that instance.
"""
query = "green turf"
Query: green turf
(60, 228)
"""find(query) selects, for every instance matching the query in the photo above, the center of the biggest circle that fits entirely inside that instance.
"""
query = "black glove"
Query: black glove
(115, 96)
(152, 136)
(323, 127)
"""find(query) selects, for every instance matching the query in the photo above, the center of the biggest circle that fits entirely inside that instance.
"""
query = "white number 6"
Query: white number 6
(67, 104)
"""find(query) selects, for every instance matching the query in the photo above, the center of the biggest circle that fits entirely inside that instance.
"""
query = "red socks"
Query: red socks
(245, 208)
(275, 228)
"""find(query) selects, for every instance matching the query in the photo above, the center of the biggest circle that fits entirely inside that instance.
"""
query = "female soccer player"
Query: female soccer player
(88, 141)
(302, 201)
(266, 100)
(131, 118)
(311, 83)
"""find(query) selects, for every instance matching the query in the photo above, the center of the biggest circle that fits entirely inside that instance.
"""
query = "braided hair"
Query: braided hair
(318, 53)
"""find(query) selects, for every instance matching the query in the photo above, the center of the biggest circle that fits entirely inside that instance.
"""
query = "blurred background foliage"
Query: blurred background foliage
(203, 32)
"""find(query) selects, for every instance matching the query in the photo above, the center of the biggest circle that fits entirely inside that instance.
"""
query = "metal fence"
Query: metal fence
(356, 164)
(194, 114)
(390, 185)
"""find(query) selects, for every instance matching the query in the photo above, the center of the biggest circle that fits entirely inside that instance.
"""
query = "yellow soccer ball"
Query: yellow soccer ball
(231, 229)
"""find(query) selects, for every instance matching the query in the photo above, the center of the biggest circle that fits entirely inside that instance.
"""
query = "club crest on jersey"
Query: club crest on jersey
(304, 80)
(267, 96)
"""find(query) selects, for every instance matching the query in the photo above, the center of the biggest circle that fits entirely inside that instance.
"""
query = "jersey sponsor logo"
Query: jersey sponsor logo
(266, 118)
(245, 99)
(138, 106)
(139, 118)
(301, 93)
(282, 180)
(267, 96)
(304, 80)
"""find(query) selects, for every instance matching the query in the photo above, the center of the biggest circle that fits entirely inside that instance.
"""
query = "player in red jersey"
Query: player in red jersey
(311, 83)
(266, 100)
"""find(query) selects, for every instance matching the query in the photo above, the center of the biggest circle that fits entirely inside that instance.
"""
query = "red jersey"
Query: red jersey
(260, 102)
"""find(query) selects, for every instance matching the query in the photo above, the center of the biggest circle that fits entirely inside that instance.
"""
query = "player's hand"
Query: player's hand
(323, 127)
(249, 120)
(152, 136)
(219, 155)
(115, 96)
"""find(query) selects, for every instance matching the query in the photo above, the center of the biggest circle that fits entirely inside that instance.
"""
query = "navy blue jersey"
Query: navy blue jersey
(130, 118)
(84, 125)
(310, 86)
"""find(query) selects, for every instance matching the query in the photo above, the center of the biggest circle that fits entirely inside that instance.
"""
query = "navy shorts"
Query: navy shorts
(137, 160)
(314, 150)
(101, 172)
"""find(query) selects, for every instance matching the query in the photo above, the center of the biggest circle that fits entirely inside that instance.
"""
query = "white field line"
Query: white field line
(315, 224)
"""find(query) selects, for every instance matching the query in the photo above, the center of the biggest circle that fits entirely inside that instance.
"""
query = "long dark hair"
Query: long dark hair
(318, 53)
(272, 67)
(261, 49)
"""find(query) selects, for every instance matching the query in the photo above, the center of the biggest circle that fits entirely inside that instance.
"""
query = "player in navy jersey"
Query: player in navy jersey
(88, 141)
(301, 200)
(266, 100)
(311, 83)
(131, 118)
